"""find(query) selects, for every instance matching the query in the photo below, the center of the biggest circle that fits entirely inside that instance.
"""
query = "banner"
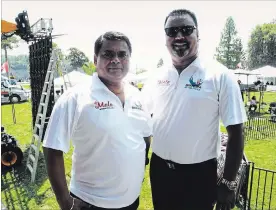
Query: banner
(5, 67)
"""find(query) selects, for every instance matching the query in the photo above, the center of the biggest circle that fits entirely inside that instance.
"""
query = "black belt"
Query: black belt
(171, 164)
(174, 165)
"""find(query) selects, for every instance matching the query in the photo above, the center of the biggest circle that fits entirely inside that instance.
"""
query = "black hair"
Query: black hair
(111, 35)
(179, 12)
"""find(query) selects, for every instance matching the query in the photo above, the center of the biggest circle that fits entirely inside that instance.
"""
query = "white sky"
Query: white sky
(141, 21)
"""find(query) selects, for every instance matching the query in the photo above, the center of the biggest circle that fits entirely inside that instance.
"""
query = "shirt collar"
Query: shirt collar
(97, 84)
(196, 64)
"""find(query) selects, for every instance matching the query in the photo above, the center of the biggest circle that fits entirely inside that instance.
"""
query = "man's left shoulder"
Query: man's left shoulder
(217, 69)
(211, 65)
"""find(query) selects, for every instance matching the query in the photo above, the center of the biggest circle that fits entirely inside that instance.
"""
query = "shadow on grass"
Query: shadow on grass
(9, 103)
(17, 189)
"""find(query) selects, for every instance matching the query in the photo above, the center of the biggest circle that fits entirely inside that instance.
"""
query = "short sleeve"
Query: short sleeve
(61, 124)
(231, 106)
(147, 95)
(148, 131)
(143, 116)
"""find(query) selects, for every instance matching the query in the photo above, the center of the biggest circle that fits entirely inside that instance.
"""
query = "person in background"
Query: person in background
(187, 99)
(57, 95)
(140, 85)
(253, 103)
(242, 90)
(109, 127)
(61, 89)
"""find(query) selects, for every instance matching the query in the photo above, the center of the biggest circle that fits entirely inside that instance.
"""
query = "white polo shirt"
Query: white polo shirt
(187, 109)
(109, 150)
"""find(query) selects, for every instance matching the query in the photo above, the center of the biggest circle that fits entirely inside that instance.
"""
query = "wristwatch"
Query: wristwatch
(231, 185)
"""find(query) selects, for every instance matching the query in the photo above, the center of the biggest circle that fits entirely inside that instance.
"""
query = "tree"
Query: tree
(230, 49)
(60, 54)
(89, 68)
(262, 46)
(17, 61)
(18, 65)
(60, 67)
(76, 57)
(9, 43)
(160, 63)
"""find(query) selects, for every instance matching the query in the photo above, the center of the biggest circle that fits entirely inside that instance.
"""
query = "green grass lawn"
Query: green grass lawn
(268, 98)
(19, 193)
(27, 86)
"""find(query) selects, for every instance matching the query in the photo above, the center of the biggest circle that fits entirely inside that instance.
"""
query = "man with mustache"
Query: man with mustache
(107, 122)
(187, 100)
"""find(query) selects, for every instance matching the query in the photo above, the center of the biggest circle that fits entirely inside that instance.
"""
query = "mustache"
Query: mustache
(114, 66)
(181, 42)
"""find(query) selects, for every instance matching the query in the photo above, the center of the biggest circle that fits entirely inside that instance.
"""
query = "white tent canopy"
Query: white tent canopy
(245, 76)
(142, 77)
(245, 72)
(266, 71)
(130, 77)
(137, 78)
(267, 74)
(75, 77)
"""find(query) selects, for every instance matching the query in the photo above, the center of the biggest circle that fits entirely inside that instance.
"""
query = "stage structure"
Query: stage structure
(44, 62)
(39, 38)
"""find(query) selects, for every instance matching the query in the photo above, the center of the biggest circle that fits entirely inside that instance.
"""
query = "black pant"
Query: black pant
(183, 186)
(253, 105)
(133, 206)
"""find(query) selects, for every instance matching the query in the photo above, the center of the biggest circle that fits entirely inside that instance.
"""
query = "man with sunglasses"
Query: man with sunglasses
(187, 100)
(108, 125)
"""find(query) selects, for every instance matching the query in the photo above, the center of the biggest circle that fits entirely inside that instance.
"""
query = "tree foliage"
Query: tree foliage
(262, 46)
(230, 50)
(10, 43)
(76, 57)
(17, 61)
(60, 66)
(18, 65)
(89, 68)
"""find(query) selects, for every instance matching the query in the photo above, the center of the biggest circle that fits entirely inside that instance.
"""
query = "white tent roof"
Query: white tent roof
(266, 71)
(245, 76)
(142, 77)
(130, 77)
(245, 72)
(75, 77)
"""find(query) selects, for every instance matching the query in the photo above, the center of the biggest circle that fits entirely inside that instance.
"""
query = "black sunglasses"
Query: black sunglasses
(185, 30)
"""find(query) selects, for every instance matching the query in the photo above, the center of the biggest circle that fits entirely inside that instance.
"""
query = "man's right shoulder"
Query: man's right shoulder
(76, 91)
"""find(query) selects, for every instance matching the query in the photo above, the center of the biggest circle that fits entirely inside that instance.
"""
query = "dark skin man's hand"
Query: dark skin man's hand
(225, 198)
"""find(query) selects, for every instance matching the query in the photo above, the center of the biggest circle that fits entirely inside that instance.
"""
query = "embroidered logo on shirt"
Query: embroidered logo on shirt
(102, 105)
(194, 85)
(163, 82)
(137, 105)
